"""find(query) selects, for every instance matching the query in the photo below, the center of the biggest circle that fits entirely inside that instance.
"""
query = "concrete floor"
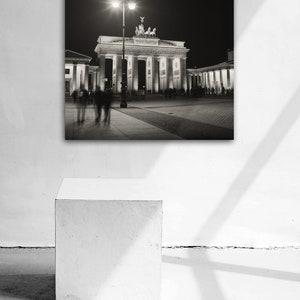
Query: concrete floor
(202, 274)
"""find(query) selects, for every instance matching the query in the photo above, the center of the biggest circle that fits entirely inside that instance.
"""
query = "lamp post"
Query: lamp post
(131, 6)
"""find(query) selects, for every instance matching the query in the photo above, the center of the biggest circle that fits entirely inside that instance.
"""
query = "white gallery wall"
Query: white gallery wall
(242, 192)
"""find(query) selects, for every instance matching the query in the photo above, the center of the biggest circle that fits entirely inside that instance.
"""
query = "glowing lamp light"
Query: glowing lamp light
(115, 4)
(131, 5)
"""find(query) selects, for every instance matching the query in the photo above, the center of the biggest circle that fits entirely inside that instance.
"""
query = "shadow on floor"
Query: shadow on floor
(29, 287)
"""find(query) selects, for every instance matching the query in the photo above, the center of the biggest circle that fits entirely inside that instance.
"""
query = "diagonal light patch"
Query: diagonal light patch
(243, 181)
(252, 168)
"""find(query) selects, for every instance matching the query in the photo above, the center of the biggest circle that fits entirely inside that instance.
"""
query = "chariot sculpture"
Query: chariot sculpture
(140, 30)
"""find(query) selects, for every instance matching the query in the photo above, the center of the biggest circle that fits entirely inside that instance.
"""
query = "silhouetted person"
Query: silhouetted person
(166, 93)
(75, 96)
(107, 106)
(81, 103)
(99, 102)
(223, 90)
(174, 92)
(91, 97)
(200, 91)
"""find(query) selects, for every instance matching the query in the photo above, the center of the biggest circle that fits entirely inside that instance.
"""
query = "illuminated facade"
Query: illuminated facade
(79, 72)
(213, 76)
(165, 66)
(165, 61)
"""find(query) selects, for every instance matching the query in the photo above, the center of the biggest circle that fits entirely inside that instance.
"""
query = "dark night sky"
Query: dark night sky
(205, 25)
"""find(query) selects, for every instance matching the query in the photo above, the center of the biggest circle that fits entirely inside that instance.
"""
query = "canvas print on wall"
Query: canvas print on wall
(149, 70)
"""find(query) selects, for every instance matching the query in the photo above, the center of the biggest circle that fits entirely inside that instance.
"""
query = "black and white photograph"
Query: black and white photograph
(148, 70)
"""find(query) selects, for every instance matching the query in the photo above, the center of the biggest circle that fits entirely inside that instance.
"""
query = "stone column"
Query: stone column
(149, 73)
(207, 80)
(78, 75)
(135, 74)
(155, 75)
(177, 76)
(74, 77)
(119, 74)
(189, 81)
(218, 82)
(228, 79)
(163, 63)
(221, 78)
(114, 74)
(86, 77)
(231, 72)
(210, 79)
(183, 74)
(129, 73)
(214, 80)
(224, 78)
(176, 73)
(170, 73)
(101, 77)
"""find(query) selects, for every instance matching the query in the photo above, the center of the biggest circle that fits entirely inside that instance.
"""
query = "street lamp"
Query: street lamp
(131, 6)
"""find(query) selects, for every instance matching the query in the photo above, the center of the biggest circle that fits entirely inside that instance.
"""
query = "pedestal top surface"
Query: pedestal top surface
(108, 189)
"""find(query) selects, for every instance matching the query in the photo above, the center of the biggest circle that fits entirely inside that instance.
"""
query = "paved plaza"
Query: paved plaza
(156, 118)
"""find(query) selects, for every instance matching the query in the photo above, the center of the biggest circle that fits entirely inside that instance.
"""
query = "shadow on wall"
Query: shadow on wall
(205, 274)
(250, 8)
(241, 184)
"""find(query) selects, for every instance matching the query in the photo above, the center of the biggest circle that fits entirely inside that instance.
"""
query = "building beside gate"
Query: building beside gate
(214, 76)
(78, 71)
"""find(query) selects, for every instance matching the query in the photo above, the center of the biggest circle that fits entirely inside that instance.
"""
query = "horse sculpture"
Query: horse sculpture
(153, 32)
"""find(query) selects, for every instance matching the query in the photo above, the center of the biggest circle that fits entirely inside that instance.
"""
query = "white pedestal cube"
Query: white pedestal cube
(108, 249)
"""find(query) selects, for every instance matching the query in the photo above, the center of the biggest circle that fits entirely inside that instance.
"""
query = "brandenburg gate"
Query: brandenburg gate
(165, 61)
